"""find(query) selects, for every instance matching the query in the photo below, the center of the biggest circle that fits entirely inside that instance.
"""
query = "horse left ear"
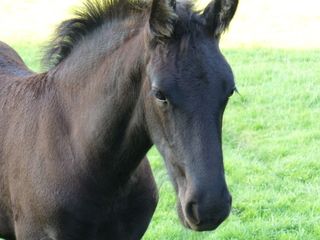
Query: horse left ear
(218, 15)
(162, 18)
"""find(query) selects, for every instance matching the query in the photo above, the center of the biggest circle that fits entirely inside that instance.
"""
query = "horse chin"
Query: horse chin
(182, 218)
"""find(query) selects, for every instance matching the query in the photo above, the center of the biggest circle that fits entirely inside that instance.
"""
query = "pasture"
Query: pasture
(271, 130)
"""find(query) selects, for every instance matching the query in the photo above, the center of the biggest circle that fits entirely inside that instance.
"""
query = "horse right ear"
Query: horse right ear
(162, 18)
(218, 15)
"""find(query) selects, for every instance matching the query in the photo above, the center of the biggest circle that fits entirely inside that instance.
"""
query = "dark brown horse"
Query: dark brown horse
(124, 75)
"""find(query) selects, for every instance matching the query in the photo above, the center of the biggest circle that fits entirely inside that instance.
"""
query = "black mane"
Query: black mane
(95, 13)
(91, 16)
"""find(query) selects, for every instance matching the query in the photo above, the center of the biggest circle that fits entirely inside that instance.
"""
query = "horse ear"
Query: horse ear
(218, 15)
(162, 18)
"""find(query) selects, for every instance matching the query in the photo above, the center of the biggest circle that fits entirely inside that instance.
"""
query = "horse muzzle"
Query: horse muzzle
(200, 214)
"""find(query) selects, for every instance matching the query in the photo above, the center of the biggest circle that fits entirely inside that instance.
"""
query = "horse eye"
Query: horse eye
(160, 96)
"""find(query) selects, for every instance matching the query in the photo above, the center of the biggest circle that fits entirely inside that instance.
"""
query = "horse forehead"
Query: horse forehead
(192, 75)
(200, 65)
(202, 70)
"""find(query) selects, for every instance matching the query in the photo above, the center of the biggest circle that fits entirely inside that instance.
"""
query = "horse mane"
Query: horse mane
(95, 13)
(91, 16)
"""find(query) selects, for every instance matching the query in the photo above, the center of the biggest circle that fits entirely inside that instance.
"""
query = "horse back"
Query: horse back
(11, 64)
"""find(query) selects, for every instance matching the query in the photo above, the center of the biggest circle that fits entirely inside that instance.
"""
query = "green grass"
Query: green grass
(271, 149)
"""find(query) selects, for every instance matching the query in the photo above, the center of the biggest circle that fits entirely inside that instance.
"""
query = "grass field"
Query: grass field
(271, 132)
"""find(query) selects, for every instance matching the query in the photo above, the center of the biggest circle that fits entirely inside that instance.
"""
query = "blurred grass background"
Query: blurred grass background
(271, 131)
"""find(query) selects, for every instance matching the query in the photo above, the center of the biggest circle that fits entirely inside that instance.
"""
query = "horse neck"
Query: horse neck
(103, 101)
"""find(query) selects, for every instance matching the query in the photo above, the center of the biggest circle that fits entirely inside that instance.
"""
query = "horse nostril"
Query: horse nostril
(193, 213)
